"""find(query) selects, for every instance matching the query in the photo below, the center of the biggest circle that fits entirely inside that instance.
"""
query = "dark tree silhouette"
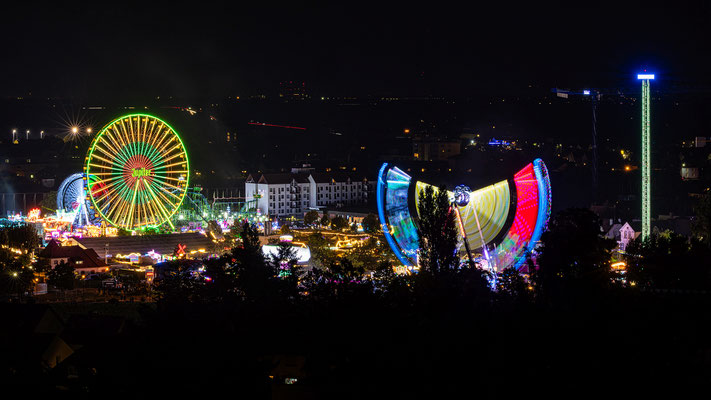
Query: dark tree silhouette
(61, 276)
(669, 261)
(339, 222)
(371, 223)
(253, 273)
(22, 237)
(311, 217)
(573, 253)
(325, 219)
(438, 232)
(513, 285)
(319, 246)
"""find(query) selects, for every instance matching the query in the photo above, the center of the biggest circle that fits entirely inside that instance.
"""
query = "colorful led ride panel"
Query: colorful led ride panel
(544, 201)
(509, 251)
(398, 227)
(491, 205)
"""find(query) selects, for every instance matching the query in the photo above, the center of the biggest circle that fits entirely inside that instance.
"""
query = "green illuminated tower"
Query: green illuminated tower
(646, 162)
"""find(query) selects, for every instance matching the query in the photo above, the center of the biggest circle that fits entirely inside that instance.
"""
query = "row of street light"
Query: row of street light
(74, 130)
(27, 135)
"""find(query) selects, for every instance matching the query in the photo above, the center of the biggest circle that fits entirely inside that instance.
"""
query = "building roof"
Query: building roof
(279, 178)
(303, 177)
(339, 176)
(161, 244)
(614, 231)
(88, 256)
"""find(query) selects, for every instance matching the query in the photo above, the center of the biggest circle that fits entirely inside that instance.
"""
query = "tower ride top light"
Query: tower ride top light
(586, 92)
(646, 152)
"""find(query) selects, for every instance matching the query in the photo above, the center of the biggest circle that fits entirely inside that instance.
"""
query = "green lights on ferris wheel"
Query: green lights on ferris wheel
(139, 172)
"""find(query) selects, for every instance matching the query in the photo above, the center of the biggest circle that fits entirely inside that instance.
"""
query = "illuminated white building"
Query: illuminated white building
(293, 194)
(623, 234)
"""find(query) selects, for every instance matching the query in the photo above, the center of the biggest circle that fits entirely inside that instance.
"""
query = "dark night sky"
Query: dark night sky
(131, 51)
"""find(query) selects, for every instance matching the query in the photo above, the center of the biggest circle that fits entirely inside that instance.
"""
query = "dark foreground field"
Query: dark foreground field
(624, 344)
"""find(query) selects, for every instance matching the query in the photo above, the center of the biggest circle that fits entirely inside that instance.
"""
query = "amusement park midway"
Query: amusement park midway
(129, 225)
(132, 211)
(338, 200)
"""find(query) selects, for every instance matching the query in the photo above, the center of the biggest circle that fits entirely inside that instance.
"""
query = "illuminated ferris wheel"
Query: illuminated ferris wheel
(141, 171)
(71, 199)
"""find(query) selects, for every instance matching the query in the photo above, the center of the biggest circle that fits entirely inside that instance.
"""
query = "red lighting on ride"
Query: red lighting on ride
(526, 205)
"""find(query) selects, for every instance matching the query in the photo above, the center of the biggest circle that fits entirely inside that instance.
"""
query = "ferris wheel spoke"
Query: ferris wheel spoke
(109, 140)
(116, 196)
(91, 192)
(102, 173)
(141, 135)
(170, 178)
(119, 134)
(103, 159)
(106, 160)
(134, 132)
(111, 209)
(119, 211)
(172, 157)
(124, 135)
(170, 165)
(177, 146)
(133, 204)
(163, 190)
(169, 185)
(147, 139)
(106, 180)
(153, 154)
(160, 191)
(111, 152)
(117, 143)
(104, 167)
(143, 206)
(154, 212)
(136, 144)
(119, 215)
(161, 149)
(163, 211)
(158, 137)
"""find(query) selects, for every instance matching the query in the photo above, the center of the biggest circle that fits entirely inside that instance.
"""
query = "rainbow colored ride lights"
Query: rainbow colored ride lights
(141, 169)
(491, 228)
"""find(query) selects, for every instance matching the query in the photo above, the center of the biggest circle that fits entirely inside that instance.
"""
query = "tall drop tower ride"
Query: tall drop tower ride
(646, 162)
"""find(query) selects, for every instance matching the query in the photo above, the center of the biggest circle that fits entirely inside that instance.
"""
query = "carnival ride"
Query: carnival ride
(224, 210)
(71, 199)
(142, 169)
(136, 176)
(501, 223)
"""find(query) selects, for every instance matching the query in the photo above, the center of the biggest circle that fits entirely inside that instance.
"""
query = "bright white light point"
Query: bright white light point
(75, 129)
(645, 76)
(586, 92)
